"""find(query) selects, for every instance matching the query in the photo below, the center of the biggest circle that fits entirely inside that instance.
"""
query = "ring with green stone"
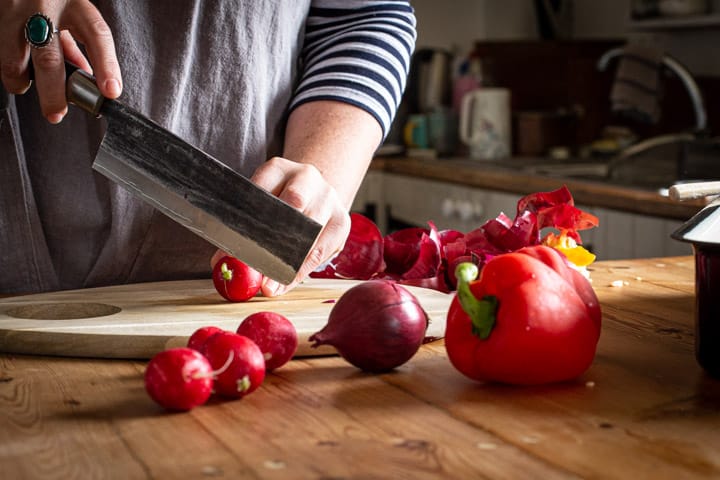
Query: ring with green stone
(39, 30)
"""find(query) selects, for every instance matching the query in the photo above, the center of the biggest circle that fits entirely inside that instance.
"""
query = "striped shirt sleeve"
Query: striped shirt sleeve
(358, 52)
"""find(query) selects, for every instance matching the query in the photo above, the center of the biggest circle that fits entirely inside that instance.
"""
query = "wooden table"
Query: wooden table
(643, 410)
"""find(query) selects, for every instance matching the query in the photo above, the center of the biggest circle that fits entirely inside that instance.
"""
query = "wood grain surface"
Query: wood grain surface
(643, 410)
(139, 320)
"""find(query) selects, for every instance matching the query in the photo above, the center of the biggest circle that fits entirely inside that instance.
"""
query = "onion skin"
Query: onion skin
(376, 326)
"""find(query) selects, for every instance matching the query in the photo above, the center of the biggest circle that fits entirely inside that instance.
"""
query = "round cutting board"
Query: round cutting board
(139, 320)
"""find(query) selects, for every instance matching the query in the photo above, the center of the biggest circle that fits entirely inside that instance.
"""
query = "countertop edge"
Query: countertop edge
(507, 179)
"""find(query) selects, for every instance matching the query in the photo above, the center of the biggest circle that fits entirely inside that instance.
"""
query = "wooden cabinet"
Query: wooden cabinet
(400, 199)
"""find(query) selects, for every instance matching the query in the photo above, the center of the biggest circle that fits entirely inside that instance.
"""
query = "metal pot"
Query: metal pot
(703, 232)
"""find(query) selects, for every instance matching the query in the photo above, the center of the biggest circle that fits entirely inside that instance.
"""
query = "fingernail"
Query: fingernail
(112, 87)
(272, 287)
(55, 118)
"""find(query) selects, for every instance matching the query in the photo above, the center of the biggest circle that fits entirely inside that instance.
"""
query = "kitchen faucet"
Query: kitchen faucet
(685, 77)
(673, 138)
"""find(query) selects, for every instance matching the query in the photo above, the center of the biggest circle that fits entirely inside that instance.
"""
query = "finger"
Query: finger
(49, 69)
(89, 28)
(294, 183)
(329, 242)
(216, 258)
(272, 175)
(14, 55)
(72, 52)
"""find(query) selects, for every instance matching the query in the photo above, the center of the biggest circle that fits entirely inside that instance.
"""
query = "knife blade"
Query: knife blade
(195, 189)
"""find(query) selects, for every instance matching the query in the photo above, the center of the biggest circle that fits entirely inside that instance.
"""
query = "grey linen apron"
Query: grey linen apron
(219, 74)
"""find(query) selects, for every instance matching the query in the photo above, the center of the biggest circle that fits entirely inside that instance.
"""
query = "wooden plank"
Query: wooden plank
(351, 417)
(644, 409)
(316, 418)
(42, 434)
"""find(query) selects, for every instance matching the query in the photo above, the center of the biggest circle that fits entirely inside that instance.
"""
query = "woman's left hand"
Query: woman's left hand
(302, 186)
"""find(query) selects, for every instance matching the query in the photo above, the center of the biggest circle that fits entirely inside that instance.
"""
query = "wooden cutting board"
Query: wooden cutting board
(139, 320)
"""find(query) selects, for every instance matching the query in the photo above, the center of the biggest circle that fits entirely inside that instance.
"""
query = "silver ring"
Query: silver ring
(39, 30)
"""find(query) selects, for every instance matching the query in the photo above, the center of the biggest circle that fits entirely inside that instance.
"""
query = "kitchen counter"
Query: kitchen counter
(513, 176)
(643, 410)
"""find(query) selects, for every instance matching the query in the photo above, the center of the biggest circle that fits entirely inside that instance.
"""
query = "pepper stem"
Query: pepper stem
(481, 312)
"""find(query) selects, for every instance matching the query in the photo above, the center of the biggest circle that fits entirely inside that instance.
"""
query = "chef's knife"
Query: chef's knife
(195, 189)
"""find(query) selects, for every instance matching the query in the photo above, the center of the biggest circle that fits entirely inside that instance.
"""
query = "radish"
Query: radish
(376, 325)
(235, 280)
(199, 336)
(238, 361)
(179, 379)
(274, 334)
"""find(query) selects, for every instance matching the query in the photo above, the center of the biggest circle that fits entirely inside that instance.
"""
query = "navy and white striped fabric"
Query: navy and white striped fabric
(358, 52)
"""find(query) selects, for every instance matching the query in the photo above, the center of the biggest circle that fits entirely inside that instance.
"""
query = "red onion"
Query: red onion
(376, 325)
(362, 256)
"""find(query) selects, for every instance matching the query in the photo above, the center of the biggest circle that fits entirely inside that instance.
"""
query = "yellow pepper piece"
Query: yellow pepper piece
(575, 253)
(578, 255)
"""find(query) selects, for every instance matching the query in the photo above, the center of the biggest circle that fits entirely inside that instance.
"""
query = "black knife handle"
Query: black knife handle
(80, 88)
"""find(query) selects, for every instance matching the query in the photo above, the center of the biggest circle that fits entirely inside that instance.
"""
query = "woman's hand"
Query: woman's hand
(304, 188)
(331, 145)
(76, 20)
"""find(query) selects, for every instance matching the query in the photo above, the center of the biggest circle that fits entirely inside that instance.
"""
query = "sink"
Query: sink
(658, 164)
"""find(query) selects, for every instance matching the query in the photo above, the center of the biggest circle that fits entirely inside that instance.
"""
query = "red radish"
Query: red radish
(179, 379)
(235, 280)
(238, 361)
(199, 336)
(274, 334)
(376, 325)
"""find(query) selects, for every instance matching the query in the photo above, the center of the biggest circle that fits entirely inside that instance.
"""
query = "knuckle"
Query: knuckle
(334, 235)
(319, 253)
(267, 168)
(11, 75)
(294, 197)
(12, 68)
(48, 59)
(99, 29)
(339, 227)
(309, 170)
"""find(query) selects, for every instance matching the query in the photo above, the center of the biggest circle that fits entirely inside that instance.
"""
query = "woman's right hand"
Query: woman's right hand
(77, 20)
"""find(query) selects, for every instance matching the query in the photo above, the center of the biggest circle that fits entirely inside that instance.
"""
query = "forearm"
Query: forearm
(337, 138)
(355, 58)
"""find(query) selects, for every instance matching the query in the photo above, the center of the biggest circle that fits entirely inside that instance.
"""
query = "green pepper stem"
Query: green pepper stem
(481, 312)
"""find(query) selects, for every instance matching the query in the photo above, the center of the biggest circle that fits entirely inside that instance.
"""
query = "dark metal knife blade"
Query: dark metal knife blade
(195, 189)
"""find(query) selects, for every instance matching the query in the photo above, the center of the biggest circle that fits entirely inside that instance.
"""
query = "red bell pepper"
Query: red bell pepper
(528, 319)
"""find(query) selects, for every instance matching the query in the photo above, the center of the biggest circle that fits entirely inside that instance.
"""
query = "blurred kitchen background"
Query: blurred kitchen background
(546, 53)
(622, 96)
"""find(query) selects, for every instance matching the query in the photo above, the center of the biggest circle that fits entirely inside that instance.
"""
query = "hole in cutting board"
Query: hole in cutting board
(62, 311)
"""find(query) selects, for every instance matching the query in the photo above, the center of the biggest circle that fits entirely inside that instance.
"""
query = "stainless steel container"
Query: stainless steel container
(703, 232)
